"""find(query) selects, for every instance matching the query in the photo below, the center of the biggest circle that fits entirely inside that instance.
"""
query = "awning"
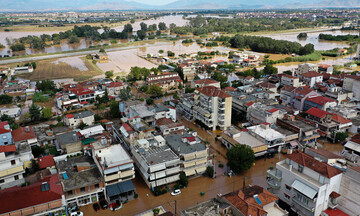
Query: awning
(353, 146)
(294, 143)
(304, 189)
(190, 172)
(119, 188)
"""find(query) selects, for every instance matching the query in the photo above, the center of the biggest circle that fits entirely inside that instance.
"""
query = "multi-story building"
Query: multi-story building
(117, 168)
(81, 180)
(158, 165)
(299, 96)
(304, 183)
(189, 71)
(311, 78)
(192, 152)
(325, 68)
(339, 94)
(212, 107)
(14, 159)
(269, 136)
(319, 102)
(75, 119)
(290, 80)
(24, 135)
(114, 88)
(259, 113)
(84, 94)
(66, 100)
(205, 82)
(306, 67)
(5, 134)
(166, 80)
(349, 193)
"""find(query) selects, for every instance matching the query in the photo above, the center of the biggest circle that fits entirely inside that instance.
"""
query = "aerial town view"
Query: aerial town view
(180, 108)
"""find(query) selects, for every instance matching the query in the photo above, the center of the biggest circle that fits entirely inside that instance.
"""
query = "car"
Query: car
(77, 214)
(96, 207)
(176, 192)
(73, 208)
(104, 204)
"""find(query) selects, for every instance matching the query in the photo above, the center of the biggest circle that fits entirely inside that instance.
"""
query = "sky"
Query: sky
(155, 2)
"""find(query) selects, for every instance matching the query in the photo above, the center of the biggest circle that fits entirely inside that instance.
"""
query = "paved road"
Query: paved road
(77, 53)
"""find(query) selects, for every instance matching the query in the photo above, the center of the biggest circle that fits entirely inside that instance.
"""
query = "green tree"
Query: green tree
(125, 94)
(170, 53)
(128, 28)
(341, 136)
(162, 26)
(10, 120)
(141, 34)
(183, 179)
(35, 112)
(5, 99)
(209, 171)
(47, 113)
(144, 88)
(240, 157)
(74, 39)
(102, 50)
(82, 125)
(149, 101)
(161, 51)
(46, 86)
(269, 69)
(154, 90)
(143, 26)
(114, 109)
(37, 151)
(109, 74)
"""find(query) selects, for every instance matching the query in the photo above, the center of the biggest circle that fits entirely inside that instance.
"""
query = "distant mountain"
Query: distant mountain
(40, 5)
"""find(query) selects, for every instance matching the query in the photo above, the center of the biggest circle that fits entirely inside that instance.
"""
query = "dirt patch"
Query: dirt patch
(47, 69)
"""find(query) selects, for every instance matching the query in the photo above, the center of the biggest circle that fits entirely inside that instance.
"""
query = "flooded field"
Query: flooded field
(313, 39)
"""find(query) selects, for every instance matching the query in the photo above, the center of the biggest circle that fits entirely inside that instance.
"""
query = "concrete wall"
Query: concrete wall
(350, 195)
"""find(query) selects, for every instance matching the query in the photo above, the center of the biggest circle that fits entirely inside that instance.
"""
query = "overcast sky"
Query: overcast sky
(155, 2)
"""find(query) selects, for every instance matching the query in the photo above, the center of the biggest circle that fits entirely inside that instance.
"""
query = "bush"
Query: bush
(39, 97)
(149, 101)
(5, 99)
(209, 171)
(221, 165)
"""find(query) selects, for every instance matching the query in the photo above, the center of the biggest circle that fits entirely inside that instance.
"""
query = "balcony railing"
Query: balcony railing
(272, 174)
(311, 209)
(273, 184)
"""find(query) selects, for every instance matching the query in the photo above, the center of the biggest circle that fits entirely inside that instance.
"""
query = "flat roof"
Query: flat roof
(155, 155)
(176, 143)
(114, 155)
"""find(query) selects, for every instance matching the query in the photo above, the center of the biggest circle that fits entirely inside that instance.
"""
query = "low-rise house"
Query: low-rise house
(338, 94)
(319, 102)
(323, 155)
(5, 134)
(192, 152)
(158, 165)
(269, 136)
(24, 135)
(83, 94)
(205, 82)
(41, 198)
(162, 111)
(304, 183)
(325, 68)
(66, 100)
(68, 142)
(91, 85)
(14, 159)
(233, 137)
(211, 207)
(259, 113)
(167, 126)
(248, 80)
(12, 112)
(15, 88)
(306, 67)
(46, 162)
(81, 180)
(45, 136)
(238, 58)
(266, 86)
(21, 70)
(311, 78)
(290, 80)
(167, 81)
(117, 168)
(75, 119)
(134, 109)
(114, 88)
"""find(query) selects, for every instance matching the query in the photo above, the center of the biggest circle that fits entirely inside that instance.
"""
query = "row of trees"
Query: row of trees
(269, 45)
(330, 37)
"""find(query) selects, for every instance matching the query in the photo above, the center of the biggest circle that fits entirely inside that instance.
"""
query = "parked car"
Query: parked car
(104, 204)
(96, 207)
(176, 192)
(115, 205)
(73, 208)
(77, 214)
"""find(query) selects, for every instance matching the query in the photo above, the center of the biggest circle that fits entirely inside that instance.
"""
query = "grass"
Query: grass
(46, 69)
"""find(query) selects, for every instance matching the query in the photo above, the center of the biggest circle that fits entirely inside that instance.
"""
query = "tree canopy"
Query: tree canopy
(154, 90)
(240, 157)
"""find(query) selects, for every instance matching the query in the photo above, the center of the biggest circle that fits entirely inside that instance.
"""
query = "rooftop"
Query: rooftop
(317, 112)
(46, 161)
(114, 155)
(67, 138)
(206, 81)
(321, 100)
(80, 115)
(325, 153)
(266, 133)
(311, 74)
(176, 143)
(23, 133)
(205, 208)
(212, 91)
(243, 137)
(155, 155)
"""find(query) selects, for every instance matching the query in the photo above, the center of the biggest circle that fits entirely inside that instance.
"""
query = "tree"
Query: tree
(17, 47)
(240, 157)
(161, 51)
(125, 94)
(10, 120)
(47, 113)
(144, 88)
(170, 53)
(288, 72)
(109, 74)
(183, 179)
(82, 125)
(162, 26)
(143, 26)
(341, 136)
(209, 171)
(74, 39)
(37, 151)
(35, 112)
(46, 86)
(141, 34)
(102, 50)
(128, 28)
(307, 49)
(5, 99)
(269, 69)
(114, 109)
(154, 90)
(149, 101)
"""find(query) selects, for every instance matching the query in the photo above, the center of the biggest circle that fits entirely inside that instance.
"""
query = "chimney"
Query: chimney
(27, 129)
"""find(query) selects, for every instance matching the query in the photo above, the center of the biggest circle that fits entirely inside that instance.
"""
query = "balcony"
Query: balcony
(303, 205)
(274, 175)
(273, 184)
(332, 205)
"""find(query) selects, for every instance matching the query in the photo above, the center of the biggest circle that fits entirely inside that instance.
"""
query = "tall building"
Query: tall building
(212, 107)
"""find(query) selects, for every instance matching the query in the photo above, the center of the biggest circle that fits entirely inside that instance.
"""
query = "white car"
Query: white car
(77, 214)
(176, 192)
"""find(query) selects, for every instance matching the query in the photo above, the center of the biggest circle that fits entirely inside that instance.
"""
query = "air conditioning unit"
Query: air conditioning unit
(314, 200)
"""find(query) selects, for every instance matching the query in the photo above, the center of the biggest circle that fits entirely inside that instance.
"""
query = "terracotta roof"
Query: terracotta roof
(340, 119)
(304, 90)
(288, 88)
(311, 163)
(250, 103)
(206, 81)
(325, 66)
(46, 161)
(352, 77)
(267, 85)
(7, 148)
(67, 87)
(311, 74)
(212, 91)
(289, 76)
(249, 77)
(335, 212)
(334, 195)
(69, 116)
(21, 134)
(3, 129)
(229, 89)
(325, 153)
(127, 127)
(114, 84)
(272, 110)
(30, 195)
(81, 91)
(317, 112)
(245, 202)
(321, 100)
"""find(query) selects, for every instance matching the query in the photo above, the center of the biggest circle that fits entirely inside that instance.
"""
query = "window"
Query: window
(286, 196)
(306, 201)
(13, 162)
(16, 177)
(288, 187)
(82, 189)
(300, 168)
(299, 197)
(97, 186)
(70, 193)
(2, 181)
(4, 136)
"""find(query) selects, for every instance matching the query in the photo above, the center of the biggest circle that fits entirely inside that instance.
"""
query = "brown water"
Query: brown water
(313, 38)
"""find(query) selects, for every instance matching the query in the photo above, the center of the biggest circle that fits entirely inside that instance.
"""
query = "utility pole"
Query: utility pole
(175, 208)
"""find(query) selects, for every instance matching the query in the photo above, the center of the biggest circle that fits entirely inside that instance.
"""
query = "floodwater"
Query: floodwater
(64, 46)
(313, 38)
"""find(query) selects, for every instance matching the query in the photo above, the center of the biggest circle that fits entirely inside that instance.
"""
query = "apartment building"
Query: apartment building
(272, 138)
(259, 113)
(306, 67)
(311, 78)
(205, 82)
(290, 80)
(157, 164)
(192, 152)
(5, 134)
(212, 107)
(14, 159)
(319, 102)
(166, 80)
(75, 119)
(349, 194)
(339, 94)
(304, 183)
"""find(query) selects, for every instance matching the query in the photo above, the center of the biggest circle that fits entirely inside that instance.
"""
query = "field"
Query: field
(50, 69)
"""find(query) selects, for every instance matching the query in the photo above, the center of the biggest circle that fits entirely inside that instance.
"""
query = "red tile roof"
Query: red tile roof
(249, 77)
(206, 81)
(229, 89)
(7, 148)
(21, 134)
(272, 110)
(46, 161)
(317, 112)
(3, 129)
(288, 88)
(325, 153)
(127, 127)
(311, 74)
(289, 76)
(311, 163)
(69, 116)
(30, 195)
(81, 91)
(340, 119)
(212, 91)
(250, 103)
(267, 85)
(115, 84)
(191, 139)
(321, 100)
(335, 212)
(304, 90)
